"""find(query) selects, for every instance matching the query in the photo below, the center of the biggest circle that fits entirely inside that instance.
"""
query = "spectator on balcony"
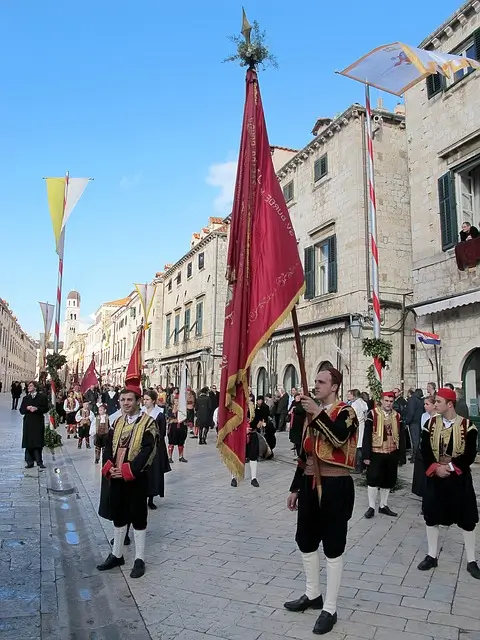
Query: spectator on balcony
(468, 232)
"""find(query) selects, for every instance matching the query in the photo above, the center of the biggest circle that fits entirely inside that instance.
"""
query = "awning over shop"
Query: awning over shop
(448, 303)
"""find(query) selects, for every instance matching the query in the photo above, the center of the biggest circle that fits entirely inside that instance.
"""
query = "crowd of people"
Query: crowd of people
(332, 440)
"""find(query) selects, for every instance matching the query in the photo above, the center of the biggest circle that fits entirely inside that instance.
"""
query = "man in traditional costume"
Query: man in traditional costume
(128, 453)
(323, 493)
(383, 449)
(449, 447)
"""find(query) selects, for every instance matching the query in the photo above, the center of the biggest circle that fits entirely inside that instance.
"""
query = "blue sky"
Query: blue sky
(135, 95)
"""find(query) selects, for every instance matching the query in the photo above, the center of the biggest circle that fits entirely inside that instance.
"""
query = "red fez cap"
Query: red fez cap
(132, 388)
(447, 394)
(389, 394)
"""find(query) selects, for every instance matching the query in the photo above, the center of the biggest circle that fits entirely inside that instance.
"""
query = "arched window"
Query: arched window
(325, 365)
(290, 379)
(262, 387)
(199, 376)
(167, 376)
(175, 376)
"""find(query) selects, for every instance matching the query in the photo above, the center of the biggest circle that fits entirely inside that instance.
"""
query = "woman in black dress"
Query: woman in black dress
(418, 482)
(160, 465)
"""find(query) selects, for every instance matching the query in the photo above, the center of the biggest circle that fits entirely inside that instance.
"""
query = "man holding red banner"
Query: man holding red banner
(323, 493)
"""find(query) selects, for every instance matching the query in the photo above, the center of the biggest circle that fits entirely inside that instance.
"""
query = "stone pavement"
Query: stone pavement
(220, 561)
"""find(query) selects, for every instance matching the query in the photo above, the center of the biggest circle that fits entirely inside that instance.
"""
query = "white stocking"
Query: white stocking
(253, 469)
(311, 566)
(334, 578)
(432, 539)
(469, 539)
(140, 543)
(384, 493)
(118, 540)
(372, 496)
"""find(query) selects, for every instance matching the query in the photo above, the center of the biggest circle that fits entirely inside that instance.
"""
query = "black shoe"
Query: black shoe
(325, 623)
(254, 483)
(303, 603)
(29, 466)
(234, 482)
(182, 459)
(369, 513)
(110, 563)
(97, 461)
(387, 512)
(428, 563)
(473, 570)
(170, 460)
(152, 505)
(138, 569)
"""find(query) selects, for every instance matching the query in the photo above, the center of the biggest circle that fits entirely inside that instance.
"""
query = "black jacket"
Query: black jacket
(34, 421)
(414, 410)
(204, 410)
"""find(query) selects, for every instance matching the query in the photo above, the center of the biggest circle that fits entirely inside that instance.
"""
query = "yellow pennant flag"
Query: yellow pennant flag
(56, 203)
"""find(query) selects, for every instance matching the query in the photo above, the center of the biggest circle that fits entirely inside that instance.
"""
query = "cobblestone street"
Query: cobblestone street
(220, 561)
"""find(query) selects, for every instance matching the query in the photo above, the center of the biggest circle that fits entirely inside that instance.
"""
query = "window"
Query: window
(288, 191)
(168, 329)
(169, 286)
(262, 388)
(413, 358)
(459, 200)
(321, 268)
(290, 378)
(186, 328)
(320, 168)
(199, 319)
(177, 329)
(201, 261)
(189, 270)
(178, 278)
(470, 49)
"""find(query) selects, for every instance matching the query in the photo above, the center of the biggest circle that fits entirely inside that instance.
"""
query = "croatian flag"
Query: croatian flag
(427, 338)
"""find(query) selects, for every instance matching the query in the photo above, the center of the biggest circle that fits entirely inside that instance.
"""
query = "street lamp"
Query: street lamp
(356, 327)
(204, 355)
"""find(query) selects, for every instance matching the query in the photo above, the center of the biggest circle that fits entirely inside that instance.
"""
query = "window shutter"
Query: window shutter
(476, 40)
(434, 85)
(332, 264)
(448, 211)
(309, 273)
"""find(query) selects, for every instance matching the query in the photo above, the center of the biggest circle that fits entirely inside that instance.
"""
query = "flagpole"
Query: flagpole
(372, 200)
(58, 310)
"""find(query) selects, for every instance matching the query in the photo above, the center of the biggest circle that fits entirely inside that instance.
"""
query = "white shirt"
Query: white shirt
(132, 419)
(361, 409)
(215, 417)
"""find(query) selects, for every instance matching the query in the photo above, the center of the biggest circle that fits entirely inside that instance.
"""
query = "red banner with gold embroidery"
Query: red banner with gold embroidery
(133, 375)
(264, 272)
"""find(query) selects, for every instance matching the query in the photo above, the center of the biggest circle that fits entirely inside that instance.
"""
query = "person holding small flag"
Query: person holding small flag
(449, 447)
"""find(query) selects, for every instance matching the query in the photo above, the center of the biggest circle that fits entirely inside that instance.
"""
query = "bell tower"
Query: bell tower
(72, 317)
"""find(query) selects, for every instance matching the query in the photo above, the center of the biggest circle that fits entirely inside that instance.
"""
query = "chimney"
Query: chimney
(320, 125)
(399, 109)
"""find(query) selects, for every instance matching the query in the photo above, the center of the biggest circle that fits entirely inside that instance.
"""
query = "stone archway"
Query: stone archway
(471, 382)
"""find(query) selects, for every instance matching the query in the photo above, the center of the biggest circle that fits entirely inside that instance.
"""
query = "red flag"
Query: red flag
(90, 377)
(133, 375)
(264, 272)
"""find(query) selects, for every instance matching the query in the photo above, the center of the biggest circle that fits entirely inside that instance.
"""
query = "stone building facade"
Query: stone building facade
(194, 298)
(326, 192)
(18, 352)
(443, 129)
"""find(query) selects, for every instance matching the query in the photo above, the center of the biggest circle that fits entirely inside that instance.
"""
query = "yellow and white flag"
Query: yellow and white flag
(146, 293)
(48, 311)
(63, 194)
